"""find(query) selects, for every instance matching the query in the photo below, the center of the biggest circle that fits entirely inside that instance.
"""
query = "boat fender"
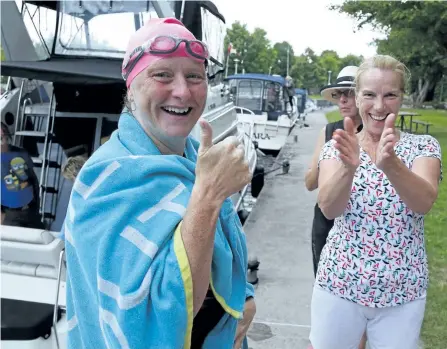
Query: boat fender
(252, 270)
(257, 182)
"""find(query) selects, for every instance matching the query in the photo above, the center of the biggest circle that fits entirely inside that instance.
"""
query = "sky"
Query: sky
(302, 23)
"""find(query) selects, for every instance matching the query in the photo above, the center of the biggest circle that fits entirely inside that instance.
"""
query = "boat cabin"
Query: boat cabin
(262, 94)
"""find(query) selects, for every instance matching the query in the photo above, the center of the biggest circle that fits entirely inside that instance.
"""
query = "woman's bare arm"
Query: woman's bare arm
(335, 187)
(311, 178)
(418, 187)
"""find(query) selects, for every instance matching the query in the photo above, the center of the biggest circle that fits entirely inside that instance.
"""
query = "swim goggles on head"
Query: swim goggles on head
(165, 44)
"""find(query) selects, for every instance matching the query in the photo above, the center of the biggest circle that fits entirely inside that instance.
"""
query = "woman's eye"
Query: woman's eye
(195, 77)
(162, 75)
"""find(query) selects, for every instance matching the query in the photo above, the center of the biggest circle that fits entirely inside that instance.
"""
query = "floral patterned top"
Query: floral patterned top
(375, 253)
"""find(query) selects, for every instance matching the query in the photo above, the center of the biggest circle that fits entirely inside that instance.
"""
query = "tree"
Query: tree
(416, 35)
(283, 50)
(350, 60)
(308, 72)
(252, 49)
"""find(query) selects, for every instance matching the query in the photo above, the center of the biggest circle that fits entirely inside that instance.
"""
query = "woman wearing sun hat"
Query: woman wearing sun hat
(156, 255)
(341, 93)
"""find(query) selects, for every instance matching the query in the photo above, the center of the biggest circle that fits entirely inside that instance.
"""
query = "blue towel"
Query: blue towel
(129, 282)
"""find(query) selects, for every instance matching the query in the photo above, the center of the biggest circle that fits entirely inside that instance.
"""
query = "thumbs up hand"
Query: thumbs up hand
(347, 144)
(221, 168)
(385, 150)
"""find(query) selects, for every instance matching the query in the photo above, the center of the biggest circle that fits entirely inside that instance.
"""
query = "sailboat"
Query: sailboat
(63, 98)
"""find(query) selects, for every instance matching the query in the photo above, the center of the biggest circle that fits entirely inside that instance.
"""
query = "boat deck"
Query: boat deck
(278, 233)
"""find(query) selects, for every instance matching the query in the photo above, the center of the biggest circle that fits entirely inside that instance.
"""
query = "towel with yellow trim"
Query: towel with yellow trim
(129, 282)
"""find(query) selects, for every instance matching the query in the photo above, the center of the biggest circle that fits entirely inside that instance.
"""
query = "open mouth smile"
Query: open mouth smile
(177, 111)
(378, 117)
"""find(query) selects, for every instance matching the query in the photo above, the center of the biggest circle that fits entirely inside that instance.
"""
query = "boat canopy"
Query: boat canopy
(255, 76)
(80, 41)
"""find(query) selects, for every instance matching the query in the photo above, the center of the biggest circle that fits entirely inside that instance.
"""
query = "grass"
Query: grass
(434, 330)
(315, 97)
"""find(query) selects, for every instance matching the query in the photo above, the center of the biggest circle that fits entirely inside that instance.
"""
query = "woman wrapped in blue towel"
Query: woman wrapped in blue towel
(156, 255)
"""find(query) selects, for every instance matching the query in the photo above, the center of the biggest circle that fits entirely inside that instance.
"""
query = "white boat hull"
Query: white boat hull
(270, 135)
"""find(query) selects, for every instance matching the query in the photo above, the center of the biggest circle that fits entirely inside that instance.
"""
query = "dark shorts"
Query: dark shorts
(206, 319)
(321, 227)
(25, 217)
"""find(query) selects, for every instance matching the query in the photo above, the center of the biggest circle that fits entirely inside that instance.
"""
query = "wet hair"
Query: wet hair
(126, 102)
(383, 62)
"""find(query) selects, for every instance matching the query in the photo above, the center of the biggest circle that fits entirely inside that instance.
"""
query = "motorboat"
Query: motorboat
(63, 98)
(261, 101)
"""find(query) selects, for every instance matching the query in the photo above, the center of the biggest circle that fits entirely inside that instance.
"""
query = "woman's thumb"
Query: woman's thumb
(206, 140)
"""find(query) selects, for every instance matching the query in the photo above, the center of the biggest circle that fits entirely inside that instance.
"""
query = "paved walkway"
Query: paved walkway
(278, 233)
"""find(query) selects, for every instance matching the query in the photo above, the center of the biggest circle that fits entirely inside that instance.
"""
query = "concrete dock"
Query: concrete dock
(278, 232)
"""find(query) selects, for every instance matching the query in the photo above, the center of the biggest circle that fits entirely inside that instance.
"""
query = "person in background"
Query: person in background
(290, 90)
(156, 253)
(341, 93)
(20, 186)
(378, 184)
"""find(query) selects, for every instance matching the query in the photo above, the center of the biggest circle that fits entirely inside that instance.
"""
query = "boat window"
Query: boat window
(273, 97)
(249, 94)
(213, 32)
(85, 28)
(40, 23)
(89, 28)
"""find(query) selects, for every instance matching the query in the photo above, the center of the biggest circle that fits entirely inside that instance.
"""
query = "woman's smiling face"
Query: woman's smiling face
(172, 94)
(379, 94)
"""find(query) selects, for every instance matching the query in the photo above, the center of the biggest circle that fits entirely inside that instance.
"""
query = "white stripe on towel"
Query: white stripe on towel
(130, 300)
(165, 204)
(85, 191)
(106, 317)
(68, 236)
(71, 211)
(146, 246)
(72, 323)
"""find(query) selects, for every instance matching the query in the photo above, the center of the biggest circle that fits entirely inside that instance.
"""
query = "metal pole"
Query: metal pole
(226, 68)
(329, 77)
(288, 50)
(235, 69)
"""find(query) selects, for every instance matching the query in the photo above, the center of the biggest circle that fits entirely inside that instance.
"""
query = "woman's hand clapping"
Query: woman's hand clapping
(347, 144)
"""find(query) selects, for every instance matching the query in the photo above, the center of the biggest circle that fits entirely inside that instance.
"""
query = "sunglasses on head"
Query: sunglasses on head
(166, 44)
(346, 92)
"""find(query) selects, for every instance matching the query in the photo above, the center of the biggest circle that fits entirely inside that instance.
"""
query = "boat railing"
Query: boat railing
(62, 265)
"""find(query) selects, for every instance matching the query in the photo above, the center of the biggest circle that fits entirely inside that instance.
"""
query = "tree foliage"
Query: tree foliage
(416, 34)
(256, 54)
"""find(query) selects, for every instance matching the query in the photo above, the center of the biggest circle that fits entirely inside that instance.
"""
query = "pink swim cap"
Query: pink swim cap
(155, 27)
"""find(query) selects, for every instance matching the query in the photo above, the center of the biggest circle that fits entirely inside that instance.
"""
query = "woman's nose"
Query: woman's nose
(378, 104)
(180, 88)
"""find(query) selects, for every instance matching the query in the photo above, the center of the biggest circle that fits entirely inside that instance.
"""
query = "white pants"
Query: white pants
(339, 324)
